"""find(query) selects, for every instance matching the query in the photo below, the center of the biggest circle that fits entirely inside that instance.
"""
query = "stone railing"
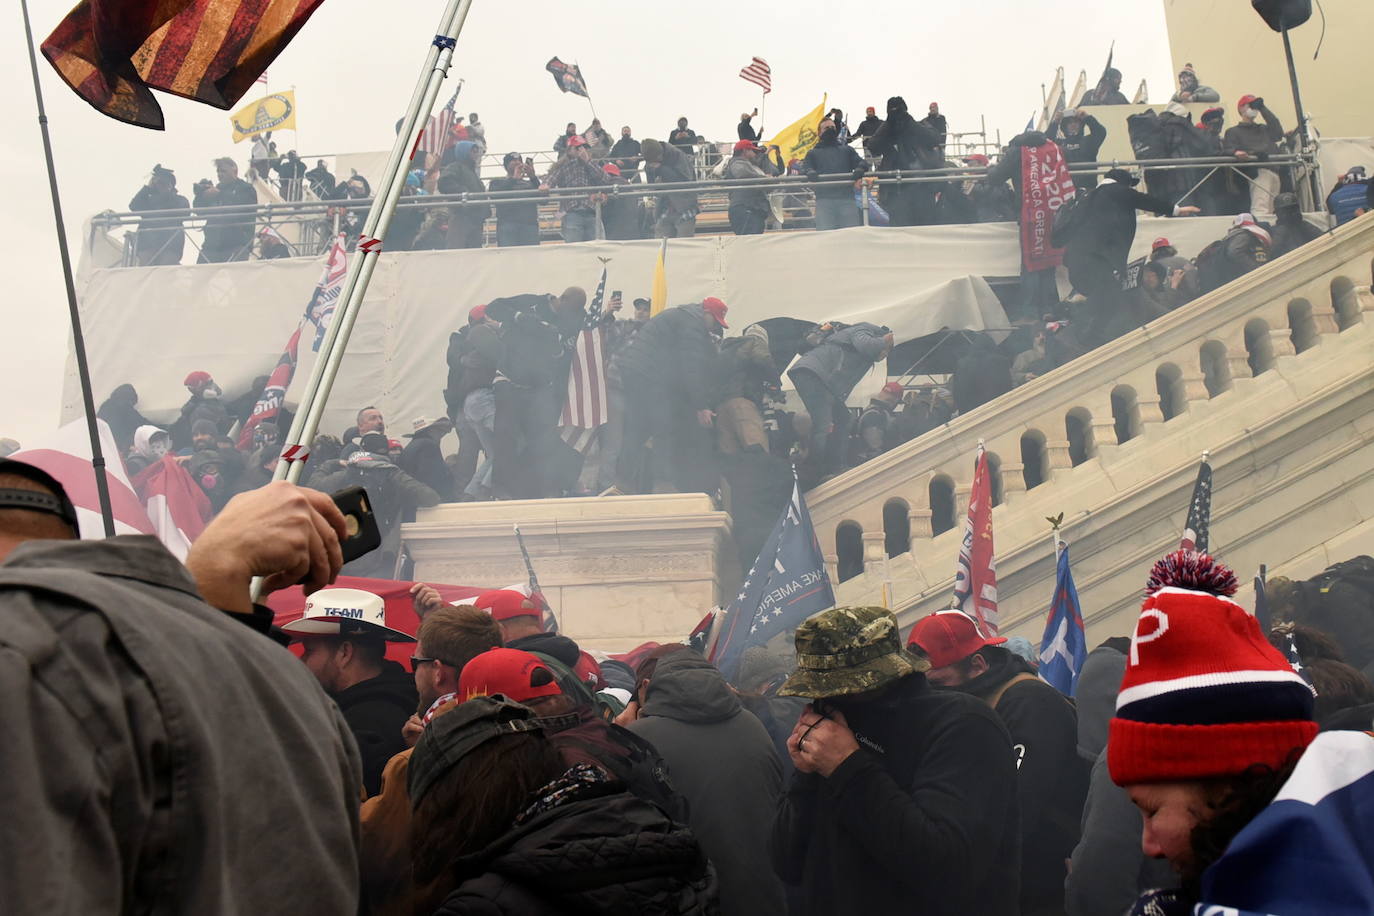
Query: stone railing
(1159, 383)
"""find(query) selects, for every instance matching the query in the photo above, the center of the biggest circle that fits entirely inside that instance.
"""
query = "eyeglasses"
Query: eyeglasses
(417, 660)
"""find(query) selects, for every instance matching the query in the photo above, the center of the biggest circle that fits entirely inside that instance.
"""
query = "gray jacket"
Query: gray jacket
(740, 168)
(844, 357)
(722, 761)
(159, 756)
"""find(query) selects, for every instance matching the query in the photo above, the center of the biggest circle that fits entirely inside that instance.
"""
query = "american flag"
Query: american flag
(975, 576)
(1196, 529)
(435, 139)
(585, 409)
(759, 73)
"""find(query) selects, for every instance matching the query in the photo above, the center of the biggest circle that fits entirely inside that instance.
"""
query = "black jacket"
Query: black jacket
(980, 375)
(524, 213)
(232, 230)
(721, 758)
(1082, 147)
(867, 128)
(375, 710)
(121, 412)
(831, 157)
(905, 143)
(746, 131)
(533, 339)
(474, 353)
(674, 350)
(1108, 226)
(1051, 777)
(160, 233)
(921, 818)
(602, 850)
(424, 460)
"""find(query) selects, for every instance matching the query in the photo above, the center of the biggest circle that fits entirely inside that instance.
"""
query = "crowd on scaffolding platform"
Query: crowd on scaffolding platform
(1211, 757)
(607, 168)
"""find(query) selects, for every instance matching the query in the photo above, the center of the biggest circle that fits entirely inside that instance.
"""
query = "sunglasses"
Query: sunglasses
(417, 660)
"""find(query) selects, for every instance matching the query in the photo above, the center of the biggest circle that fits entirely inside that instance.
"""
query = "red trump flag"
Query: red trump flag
(113, 53)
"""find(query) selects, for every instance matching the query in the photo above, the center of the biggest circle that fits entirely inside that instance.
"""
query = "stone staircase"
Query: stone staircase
(1273, 375)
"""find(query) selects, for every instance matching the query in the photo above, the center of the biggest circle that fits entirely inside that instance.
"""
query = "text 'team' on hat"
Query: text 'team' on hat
(345, 612)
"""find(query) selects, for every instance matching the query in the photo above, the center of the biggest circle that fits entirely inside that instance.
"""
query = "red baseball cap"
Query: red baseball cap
(478, 313)
(871, 110)
(516, 675)
(1159, 243)
(716, 309)
(746, 144)
(893, 388)
(576, 140)
(505, 604)
(197, 378)
(949, 636)
(976, 159)
(611, 168)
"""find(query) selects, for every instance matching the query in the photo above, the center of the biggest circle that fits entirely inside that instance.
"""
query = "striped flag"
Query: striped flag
(273, 396)
(176, 505)
(320, 309)
(66, 455)
(975, 576)
(113, 53)
(585, 409)
(1197, 529)
(759, 73)
(436, 138)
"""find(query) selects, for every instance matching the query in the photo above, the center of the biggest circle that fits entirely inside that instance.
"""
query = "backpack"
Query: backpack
(1068, 219)
(1212, 270)
(1340, 603)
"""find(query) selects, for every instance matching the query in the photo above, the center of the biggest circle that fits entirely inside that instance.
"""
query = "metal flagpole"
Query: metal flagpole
(102, 486)
(311, 407)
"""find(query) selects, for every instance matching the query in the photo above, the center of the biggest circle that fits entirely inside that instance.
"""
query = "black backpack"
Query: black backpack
(1068, 219)
(1340, 603)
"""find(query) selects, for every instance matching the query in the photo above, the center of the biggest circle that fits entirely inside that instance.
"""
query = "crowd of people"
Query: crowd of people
(1203, 760)
(590, 159)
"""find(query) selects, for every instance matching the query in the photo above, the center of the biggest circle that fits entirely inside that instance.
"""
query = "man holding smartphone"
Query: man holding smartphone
(517, 223)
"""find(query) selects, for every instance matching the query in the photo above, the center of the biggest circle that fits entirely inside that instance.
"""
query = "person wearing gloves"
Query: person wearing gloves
(835, 207)
(1250, 141)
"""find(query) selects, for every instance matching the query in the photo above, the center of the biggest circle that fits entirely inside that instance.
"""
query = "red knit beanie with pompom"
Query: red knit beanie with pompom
(1204, 694)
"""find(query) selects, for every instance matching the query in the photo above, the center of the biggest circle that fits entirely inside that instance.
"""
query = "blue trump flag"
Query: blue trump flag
(787, 584)
(1065, 646)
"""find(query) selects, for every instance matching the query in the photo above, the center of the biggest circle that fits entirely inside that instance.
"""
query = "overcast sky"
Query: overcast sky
(355, 63)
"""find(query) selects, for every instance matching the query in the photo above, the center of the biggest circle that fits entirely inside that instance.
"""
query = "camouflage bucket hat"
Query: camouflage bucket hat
(849, 650)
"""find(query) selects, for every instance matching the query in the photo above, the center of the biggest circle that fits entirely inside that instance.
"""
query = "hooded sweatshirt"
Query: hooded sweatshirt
(141, 454)
(721, 759)
(375, 710)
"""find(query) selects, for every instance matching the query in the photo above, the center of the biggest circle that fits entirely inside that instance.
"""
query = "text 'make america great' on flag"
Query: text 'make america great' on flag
(787, 584)
(113, 53)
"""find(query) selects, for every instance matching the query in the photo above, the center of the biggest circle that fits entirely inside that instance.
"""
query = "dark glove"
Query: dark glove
(1257, 104)
(813, 176)
(859, 172)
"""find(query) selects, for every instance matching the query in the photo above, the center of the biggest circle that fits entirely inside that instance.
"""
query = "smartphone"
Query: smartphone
(360, 523)
(615, 294)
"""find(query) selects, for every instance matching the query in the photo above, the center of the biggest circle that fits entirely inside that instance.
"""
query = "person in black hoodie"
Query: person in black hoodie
(722, 760)
(159, 239)
(344, 634)
(905, 797)
(905, 144)
(120, 411)
(1051, 779)
(530, 384)
(1101, 241)
(1080, 136)
(503, 825)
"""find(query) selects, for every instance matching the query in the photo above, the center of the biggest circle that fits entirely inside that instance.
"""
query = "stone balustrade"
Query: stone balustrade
(1168, 381)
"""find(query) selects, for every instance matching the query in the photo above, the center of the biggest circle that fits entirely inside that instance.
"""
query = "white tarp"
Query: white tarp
(151, 326)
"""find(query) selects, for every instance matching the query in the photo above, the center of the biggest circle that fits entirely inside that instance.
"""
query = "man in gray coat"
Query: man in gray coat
(722, 761)
(160, 755)
(839, 357)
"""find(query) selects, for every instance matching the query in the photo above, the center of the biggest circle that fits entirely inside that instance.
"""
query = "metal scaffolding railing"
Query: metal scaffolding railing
(314, 223)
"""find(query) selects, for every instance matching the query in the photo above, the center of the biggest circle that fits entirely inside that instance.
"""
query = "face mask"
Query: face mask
(1247, 112)
(828, 134)
(158, 449)
(209, 481)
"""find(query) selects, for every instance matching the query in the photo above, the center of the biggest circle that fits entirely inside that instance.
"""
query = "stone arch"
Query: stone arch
(1216, 371)
(1345, 303)
(1302, 326)
(1173, 393)
(849, 550)
(1035, 458)
(995, 478)
(1078, 425)
(941, 504)
(1259, 346)
(897, 526)
(1126, 413)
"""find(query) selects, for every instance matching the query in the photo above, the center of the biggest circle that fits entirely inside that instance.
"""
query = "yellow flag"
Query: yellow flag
(273, 112)
(658, 301)
(796, 140)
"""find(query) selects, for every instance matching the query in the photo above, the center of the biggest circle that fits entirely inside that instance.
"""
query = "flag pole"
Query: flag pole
(311, 407)
(83, 371)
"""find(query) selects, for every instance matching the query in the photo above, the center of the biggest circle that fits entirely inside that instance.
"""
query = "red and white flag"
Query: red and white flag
(274, 392)
(436, 138)
(325, 299)
(585, 409)
(759, 73)
(177, 507)
(66, 455)
(975, 576)
(1045, 186)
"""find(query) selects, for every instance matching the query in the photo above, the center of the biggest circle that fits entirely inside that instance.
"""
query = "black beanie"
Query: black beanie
(896, 104)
